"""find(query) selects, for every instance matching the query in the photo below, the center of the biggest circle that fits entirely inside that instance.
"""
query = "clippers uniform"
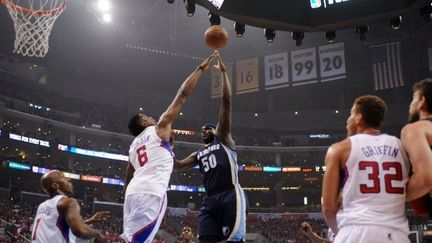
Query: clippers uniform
(374, 182)
(223, 211)
(145, 200)
(49, 226)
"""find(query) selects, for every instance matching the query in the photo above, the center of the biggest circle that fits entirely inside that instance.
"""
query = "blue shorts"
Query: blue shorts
(223, 215)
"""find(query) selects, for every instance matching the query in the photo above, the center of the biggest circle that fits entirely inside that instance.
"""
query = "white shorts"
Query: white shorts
(370, 234)
(142, 216)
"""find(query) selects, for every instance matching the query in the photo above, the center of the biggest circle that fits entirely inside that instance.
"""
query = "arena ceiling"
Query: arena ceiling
(151, 40)
(312, 15)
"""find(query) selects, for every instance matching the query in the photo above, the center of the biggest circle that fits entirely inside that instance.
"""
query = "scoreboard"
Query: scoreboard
(311, 15)
(324, 3)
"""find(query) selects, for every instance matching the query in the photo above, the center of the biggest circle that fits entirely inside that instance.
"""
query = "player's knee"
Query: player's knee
(208, 239)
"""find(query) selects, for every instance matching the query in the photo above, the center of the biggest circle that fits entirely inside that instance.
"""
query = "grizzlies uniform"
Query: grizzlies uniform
(223, 211)
(145, 201)
(374, 182)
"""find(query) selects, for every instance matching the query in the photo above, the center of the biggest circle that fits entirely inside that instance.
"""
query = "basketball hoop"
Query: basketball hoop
(33, 22)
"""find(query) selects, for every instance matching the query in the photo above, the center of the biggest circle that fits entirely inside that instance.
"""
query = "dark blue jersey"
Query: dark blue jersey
(218, 164)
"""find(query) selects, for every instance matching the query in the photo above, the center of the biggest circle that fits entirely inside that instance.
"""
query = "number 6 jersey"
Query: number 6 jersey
(152, 159)
(373, 183)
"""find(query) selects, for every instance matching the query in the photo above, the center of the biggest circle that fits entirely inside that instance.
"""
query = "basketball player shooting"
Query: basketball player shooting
(417, 140)
(370, 171)
(223, 211)
(150, 165)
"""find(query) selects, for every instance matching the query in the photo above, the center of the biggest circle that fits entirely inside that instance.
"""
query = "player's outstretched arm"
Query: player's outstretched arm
(223, 129)
(163, 127)
(70, 210)
(331, 182)
(186, 163)
(307, 230)
(416, 145)
(97, 217)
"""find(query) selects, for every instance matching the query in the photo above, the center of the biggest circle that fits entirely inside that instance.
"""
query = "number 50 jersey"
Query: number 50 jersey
(152, 159)
(218, 164)
(374, 182)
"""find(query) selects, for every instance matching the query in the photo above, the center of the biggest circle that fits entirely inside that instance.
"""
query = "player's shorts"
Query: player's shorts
(370, 234)
(223, 215)
(142, 216)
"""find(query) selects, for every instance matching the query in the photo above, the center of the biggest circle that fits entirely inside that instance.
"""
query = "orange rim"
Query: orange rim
(8, 3)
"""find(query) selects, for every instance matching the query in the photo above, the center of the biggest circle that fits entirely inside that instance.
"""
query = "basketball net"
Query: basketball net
(33, 22)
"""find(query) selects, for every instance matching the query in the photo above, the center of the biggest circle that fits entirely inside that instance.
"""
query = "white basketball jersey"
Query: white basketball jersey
(330, 235)
(374, 182)
(49, 226)
(153, 161)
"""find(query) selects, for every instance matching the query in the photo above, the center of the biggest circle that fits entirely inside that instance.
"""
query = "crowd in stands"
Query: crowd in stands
(174, 223)
(82, 113)
(17, 220)
(278, 229)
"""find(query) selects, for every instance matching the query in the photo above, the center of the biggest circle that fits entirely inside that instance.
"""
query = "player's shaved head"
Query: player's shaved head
(54, 182)
(48, 179)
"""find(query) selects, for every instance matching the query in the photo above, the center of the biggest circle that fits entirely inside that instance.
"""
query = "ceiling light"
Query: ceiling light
(190, 7)
(239, 29)
(362, 30)
(269, 35)
(103, 5)
(395, 22)
(298, 37)
(214, 19)
(331, 36)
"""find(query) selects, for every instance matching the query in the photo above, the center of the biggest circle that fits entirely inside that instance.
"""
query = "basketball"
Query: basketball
(216, 37)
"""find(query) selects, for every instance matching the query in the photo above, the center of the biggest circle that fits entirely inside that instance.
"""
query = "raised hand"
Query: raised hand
(206, 63)
(99, 216)
(220, 65)
(305, 228)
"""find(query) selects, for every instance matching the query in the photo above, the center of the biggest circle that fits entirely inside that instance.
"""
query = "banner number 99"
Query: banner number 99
(301, 67)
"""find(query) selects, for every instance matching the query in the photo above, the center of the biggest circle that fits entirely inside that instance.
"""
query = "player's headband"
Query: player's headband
(209, 125)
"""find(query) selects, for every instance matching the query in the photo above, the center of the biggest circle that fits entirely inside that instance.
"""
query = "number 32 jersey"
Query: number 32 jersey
(374, 182)
(218, 164)
(152, 159)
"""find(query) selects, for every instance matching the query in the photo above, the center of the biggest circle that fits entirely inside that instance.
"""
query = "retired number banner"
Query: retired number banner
(332, 61)
(276, 71)
(247, 75)
(303, 66)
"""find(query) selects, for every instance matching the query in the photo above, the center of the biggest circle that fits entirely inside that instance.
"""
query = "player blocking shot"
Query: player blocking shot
(223, 211)
(151, 163)
(369, 171)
